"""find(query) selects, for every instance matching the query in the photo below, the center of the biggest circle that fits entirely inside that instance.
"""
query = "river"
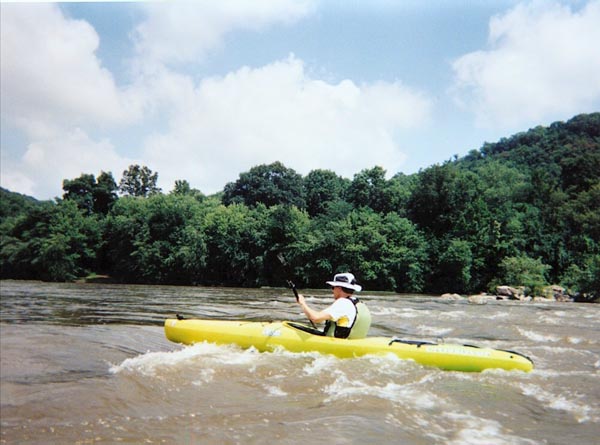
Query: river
(89, 364)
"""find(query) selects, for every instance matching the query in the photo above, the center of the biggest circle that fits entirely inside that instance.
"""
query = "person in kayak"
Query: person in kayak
(347, 317)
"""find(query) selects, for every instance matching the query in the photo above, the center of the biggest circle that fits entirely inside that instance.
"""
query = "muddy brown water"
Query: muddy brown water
(89, 363)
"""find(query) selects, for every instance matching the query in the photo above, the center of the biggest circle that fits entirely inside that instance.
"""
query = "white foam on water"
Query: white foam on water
(232, 355)
(427, 330)
(452, 315)
(262, 303)
(150, 362)
(574, 340)
(389, 364)
(560, 350)
(550, 320)
(275, 391)
(547, 358)
(497, 316)
(383, 311)
(562, 402)
(343, 389)
(579, 340)
(320, 364)
(592, 315)
(206, 376)
(540, 338)
(405, 312)
(473, 430)
(552, 373)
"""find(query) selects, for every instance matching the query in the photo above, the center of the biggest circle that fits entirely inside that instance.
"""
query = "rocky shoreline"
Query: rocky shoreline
(552, 293)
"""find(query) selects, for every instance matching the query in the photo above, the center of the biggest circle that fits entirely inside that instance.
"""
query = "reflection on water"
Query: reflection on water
(89, 363)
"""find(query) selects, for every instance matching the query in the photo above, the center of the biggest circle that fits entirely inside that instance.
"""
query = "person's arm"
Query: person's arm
(315, 316)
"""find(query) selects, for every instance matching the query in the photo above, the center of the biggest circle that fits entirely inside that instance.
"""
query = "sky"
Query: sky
(203, 90)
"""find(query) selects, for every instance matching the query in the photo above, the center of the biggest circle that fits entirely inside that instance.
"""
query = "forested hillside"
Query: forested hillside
(522, 211)
(12, 204)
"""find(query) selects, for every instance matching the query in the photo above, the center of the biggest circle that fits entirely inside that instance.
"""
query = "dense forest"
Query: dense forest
(522, 211)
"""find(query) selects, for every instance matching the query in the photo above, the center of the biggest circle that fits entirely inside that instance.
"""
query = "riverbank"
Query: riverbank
(507, 293)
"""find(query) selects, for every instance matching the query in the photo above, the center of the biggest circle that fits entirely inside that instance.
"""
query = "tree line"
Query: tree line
(522, 211)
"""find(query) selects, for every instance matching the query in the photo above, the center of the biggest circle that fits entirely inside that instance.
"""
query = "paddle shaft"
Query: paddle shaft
(291, 284)
(293, 287)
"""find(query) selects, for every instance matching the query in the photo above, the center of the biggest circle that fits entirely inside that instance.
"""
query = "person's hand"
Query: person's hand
(301, 300)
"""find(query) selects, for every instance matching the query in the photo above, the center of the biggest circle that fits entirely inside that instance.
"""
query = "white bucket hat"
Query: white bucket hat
(345, 280)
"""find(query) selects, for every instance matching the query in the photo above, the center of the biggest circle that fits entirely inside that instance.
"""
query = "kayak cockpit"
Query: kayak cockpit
(304, 328)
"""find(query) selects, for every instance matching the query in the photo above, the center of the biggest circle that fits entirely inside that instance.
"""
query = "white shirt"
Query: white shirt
(342, 311)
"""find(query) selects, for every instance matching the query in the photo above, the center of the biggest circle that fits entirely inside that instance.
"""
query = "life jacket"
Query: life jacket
(360, 326)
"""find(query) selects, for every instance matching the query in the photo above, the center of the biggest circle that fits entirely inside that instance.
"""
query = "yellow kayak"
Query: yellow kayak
(296, 337)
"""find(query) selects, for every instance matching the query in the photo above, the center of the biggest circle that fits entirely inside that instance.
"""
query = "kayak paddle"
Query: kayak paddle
(293, 287)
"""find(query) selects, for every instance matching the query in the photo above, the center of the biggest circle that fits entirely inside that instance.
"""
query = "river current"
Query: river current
(89, 364)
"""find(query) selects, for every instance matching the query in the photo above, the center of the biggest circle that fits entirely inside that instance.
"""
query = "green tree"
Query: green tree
(90, 195)
(398, 192)
(582, 221)
(183, 187)
(448, 204)
(270, 185)
(53, 242)
(434, 202)
(235, 240)
(367, 189)
(500, 226)
(457, 226)
(322, 188)
(286, 234)
(454, 266)
(585, 279)
(139, 181)
(385, 251)
(524, 271)
(14, 204)
(404, 255)
(156, 240)
(105, 193)
(81, 191)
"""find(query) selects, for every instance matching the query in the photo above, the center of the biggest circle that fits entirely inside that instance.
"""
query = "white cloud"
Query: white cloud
(58, 156)
(54, 91)
(185, 31)
(543, 63)
(50, 73)
(277, 112)
(14, 179)
(57, 93)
